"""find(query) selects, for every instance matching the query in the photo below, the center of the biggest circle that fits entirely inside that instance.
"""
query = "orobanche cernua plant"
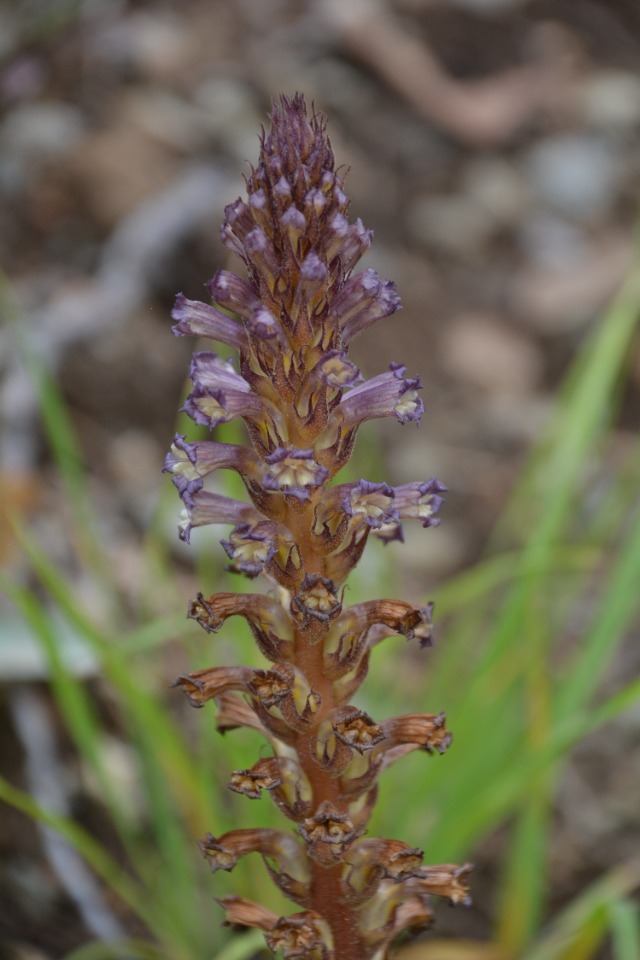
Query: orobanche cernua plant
(292, 320)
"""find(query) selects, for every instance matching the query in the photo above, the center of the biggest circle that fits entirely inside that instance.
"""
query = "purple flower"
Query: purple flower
(188, 463)
(387, 395)
(220, 393)
(233, 293)
(364, 299)
(292, 320)
(336, 371)
(420, 501)
(196, 319)
(294, 472)
(371, 503)
(204, 508)
(250, 547)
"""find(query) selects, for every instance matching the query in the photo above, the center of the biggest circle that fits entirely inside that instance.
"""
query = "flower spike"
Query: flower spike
(291, 320)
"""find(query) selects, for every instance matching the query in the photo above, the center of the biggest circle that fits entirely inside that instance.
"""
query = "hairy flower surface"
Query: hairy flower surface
(291, 320)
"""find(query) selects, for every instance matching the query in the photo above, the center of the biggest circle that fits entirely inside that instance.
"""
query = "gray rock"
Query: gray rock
(41, 131)
(611, 100)
(231, 113)
(550, 241)
(575, 174)
(498, 187)
(453, 224)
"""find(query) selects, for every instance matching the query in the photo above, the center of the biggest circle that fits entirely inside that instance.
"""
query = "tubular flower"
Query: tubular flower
(291, 320)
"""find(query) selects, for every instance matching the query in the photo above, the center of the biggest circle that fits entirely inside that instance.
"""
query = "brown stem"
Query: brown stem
(326, 888)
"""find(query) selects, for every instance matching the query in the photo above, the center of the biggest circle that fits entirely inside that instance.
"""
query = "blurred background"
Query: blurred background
(494, 148)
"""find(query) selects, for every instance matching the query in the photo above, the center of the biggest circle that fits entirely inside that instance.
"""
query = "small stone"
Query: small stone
(497, 186)
(611, 100)
(157, 45)
(483, 352)
(453, 224)
(575, 174)
(119, 167)
(551, 241)
(231, 113)
(166, 118)
(41, 131)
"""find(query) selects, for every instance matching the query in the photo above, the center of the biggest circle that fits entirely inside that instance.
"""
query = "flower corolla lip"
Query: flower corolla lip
(181, 463)
(220, 393)
(293, 471)
(337, 371)
(250, 547)
(371, 502)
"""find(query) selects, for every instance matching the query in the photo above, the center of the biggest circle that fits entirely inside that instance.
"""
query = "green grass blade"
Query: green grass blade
(62, 439)
(619, 604)
(141, 707)
(79, 714)
(547, 495)
(170, 774)
(588, 914)
(94, 854)
(524, 880)
(624, 921)
(118, 950)
(242, 947)
(586, 408)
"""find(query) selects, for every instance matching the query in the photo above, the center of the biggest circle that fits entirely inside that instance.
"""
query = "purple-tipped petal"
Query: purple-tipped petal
(389, 532)
(355, 245)
(312, 268)
(420, 501)
(371, 503)
(211, 407)
(237, 223)
(387, 395)
(282, 188)
(221, 394)
(232, 292)
(207, 508)
(188, 463)
(294, 221)
(258, 201)
(316, 201)
(363, 300)
(181, 462)
(335, 235)
(259, 251)
(250, 547)
(235, 294)
(196, 319)
(264, 325)
(337, 371)
(210, 370)
(294, 472)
